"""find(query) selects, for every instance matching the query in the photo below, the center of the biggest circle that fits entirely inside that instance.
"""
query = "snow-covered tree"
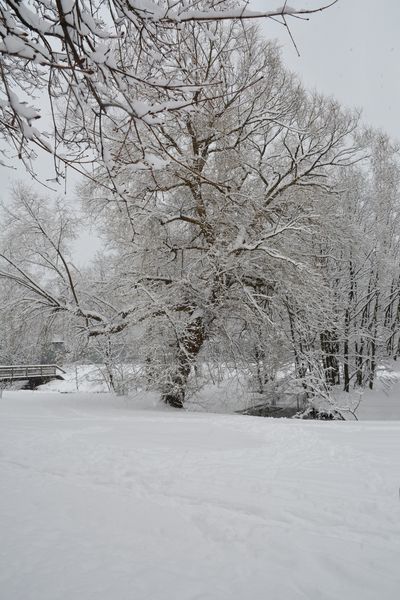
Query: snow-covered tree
(256, 227)
(68, 57)
(208, 233)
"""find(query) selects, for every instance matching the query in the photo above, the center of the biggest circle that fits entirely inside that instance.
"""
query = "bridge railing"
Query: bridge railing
(15, 372)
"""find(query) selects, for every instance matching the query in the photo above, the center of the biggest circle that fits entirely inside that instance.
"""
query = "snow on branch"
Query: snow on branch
(84, 56)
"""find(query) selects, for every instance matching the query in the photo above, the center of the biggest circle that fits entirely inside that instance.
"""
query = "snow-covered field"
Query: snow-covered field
(102, 500)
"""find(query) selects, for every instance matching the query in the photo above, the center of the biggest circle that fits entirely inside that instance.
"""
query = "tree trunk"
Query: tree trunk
(350, 300)
(373, 342)
(346, 373)
(189, 346)
(330, 350)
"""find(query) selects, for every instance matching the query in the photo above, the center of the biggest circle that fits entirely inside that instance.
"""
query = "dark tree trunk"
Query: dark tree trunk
(374, 333)
(347, 320)
(346, 372)
(188, 349)
(330, 350)
(359, 349)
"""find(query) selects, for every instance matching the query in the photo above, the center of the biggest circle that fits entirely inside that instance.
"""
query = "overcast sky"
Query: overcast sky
(350, 51)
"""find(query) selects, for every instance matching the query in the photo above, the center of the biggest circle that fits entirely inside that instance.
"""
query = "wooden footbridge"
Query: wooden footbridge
(34, 375)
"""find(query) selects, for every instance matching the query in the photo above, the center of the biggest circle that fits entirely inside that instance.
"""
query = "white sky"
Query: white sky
(350, 51)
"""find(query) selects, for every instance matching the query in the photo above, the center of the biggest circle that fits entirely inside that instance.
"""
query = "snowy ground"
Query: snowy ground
(101, 500)
(381, 403)
(228, 394)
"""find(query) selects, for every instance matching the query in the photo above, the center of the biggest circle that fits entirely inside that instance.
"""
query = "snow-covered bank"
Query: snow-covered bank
(381, 403)
(230, 392)
(101, 500)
